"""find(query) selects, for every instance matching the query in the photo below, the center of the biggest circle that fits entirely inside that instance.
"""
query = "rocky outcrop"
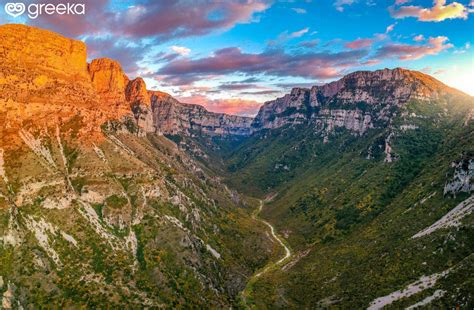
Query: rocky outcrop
(139, 99)
(353, 102)
(108, 79)
(172, 117)
(45, 81)
(463, 177)
(23, 46)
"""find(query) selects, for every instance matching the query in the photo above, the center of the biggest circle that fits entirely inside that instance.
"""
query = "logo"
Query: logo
(16, 9)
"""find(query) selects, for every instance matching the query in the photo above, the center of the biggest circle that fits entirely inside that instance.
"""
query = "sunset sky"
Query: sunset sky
(233, 56)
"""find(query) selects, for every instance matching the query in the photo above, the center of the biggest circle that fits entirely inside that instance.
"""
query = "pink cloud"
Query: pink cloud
(427, 70)
(439, 12)
(310, 43)
(168, 19)
(156, 19)
(229, 106)
(359, 43)
(371, 62)
(323, 65)
(419, 38)
(340, 4)
(411, 52)
(390, 28)
(92, 22)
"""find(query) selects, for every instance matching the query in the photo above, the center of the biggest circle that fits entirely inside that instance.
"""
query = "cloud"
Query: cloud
(288, 86)
(298, 34)
(359, 43)
(390, 28)
(124, 51)
(238, 86)
(371, 62)
(93, 22)
(439, 12)
(463, 49)
(321, 65)
(229, 106)
(299, 10)
(285, 36)
(419, 38)
(163, 57)
(310, 43)
(411, 52)
(147, 22)
(339, 4)
(183, 51)
(262, 92)
(427, 70)
(398, 2)
(172, 19)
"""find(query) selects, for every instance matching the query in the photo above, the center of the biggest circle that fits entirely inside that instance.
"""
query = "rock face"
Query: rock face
(353, 102)
(54, 83)
(108, 79)
(463, 178)
(172, 117)
(45, 80)
(31, 47)
(137, 96)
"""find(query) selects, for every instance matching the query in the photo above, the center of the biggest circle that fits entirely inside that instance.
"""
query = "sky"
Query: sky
(232, 56)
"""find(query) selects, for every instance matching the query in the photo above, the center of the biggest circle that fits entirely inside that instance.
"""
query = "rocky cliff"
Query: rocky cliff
(45, 80)
(97, 212)
(173, 117)
(54, 83)
(355, 102)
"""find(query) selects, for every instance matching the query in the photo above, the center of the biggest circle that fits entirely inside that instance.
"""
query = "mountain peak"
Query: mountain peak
(337, 103)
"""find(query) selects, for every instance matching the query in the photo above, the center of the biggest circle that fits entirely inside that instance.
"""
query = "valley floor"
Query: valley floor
(247, 293)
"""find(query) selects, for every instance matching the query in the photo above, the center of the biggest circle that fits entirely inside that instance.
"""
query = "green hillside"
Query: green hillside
(350, 214)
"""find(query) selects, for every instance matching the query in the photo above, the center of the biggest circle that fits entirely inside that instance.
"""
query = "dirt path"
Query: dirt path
(248, 289)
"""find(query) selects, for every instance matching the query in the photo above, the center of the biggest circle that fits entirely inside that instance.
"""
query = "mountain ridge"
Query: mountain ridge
(103, 80)
(115, 195)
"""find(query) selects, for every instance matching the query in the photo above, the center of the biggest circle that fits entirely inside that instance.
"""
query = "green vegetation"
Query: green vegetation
(116, 202)
(354, 214)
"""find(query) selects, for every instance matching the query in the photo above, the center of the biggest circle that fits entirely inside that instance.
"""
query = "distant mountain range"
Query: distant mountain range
(113, 195)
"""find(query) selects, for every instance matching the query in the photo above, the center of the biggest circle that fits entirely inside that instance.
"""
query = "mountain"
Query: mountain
(355, 102)
(370, 182)
(173, 117)
(98, 208)
(113, 195)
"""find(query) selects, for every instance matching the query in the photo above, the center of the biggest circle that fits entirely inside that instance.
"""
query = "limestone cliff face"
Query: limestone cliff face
(45, 81)
(108, 79)
(23, 46)
(172, 117)
(137, 96)
(353, 102)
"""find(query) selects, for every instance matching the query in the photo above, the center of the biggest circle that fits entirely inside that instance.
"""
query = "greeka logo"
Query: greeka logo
(35, 10)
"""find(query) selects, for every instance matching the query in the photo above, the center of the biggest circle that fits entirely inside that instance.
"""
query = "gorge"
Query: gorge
(112, 195)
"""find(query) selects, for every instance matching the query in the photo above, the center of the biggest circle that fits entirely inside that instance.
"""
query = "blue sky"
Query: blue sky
(232, 56)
